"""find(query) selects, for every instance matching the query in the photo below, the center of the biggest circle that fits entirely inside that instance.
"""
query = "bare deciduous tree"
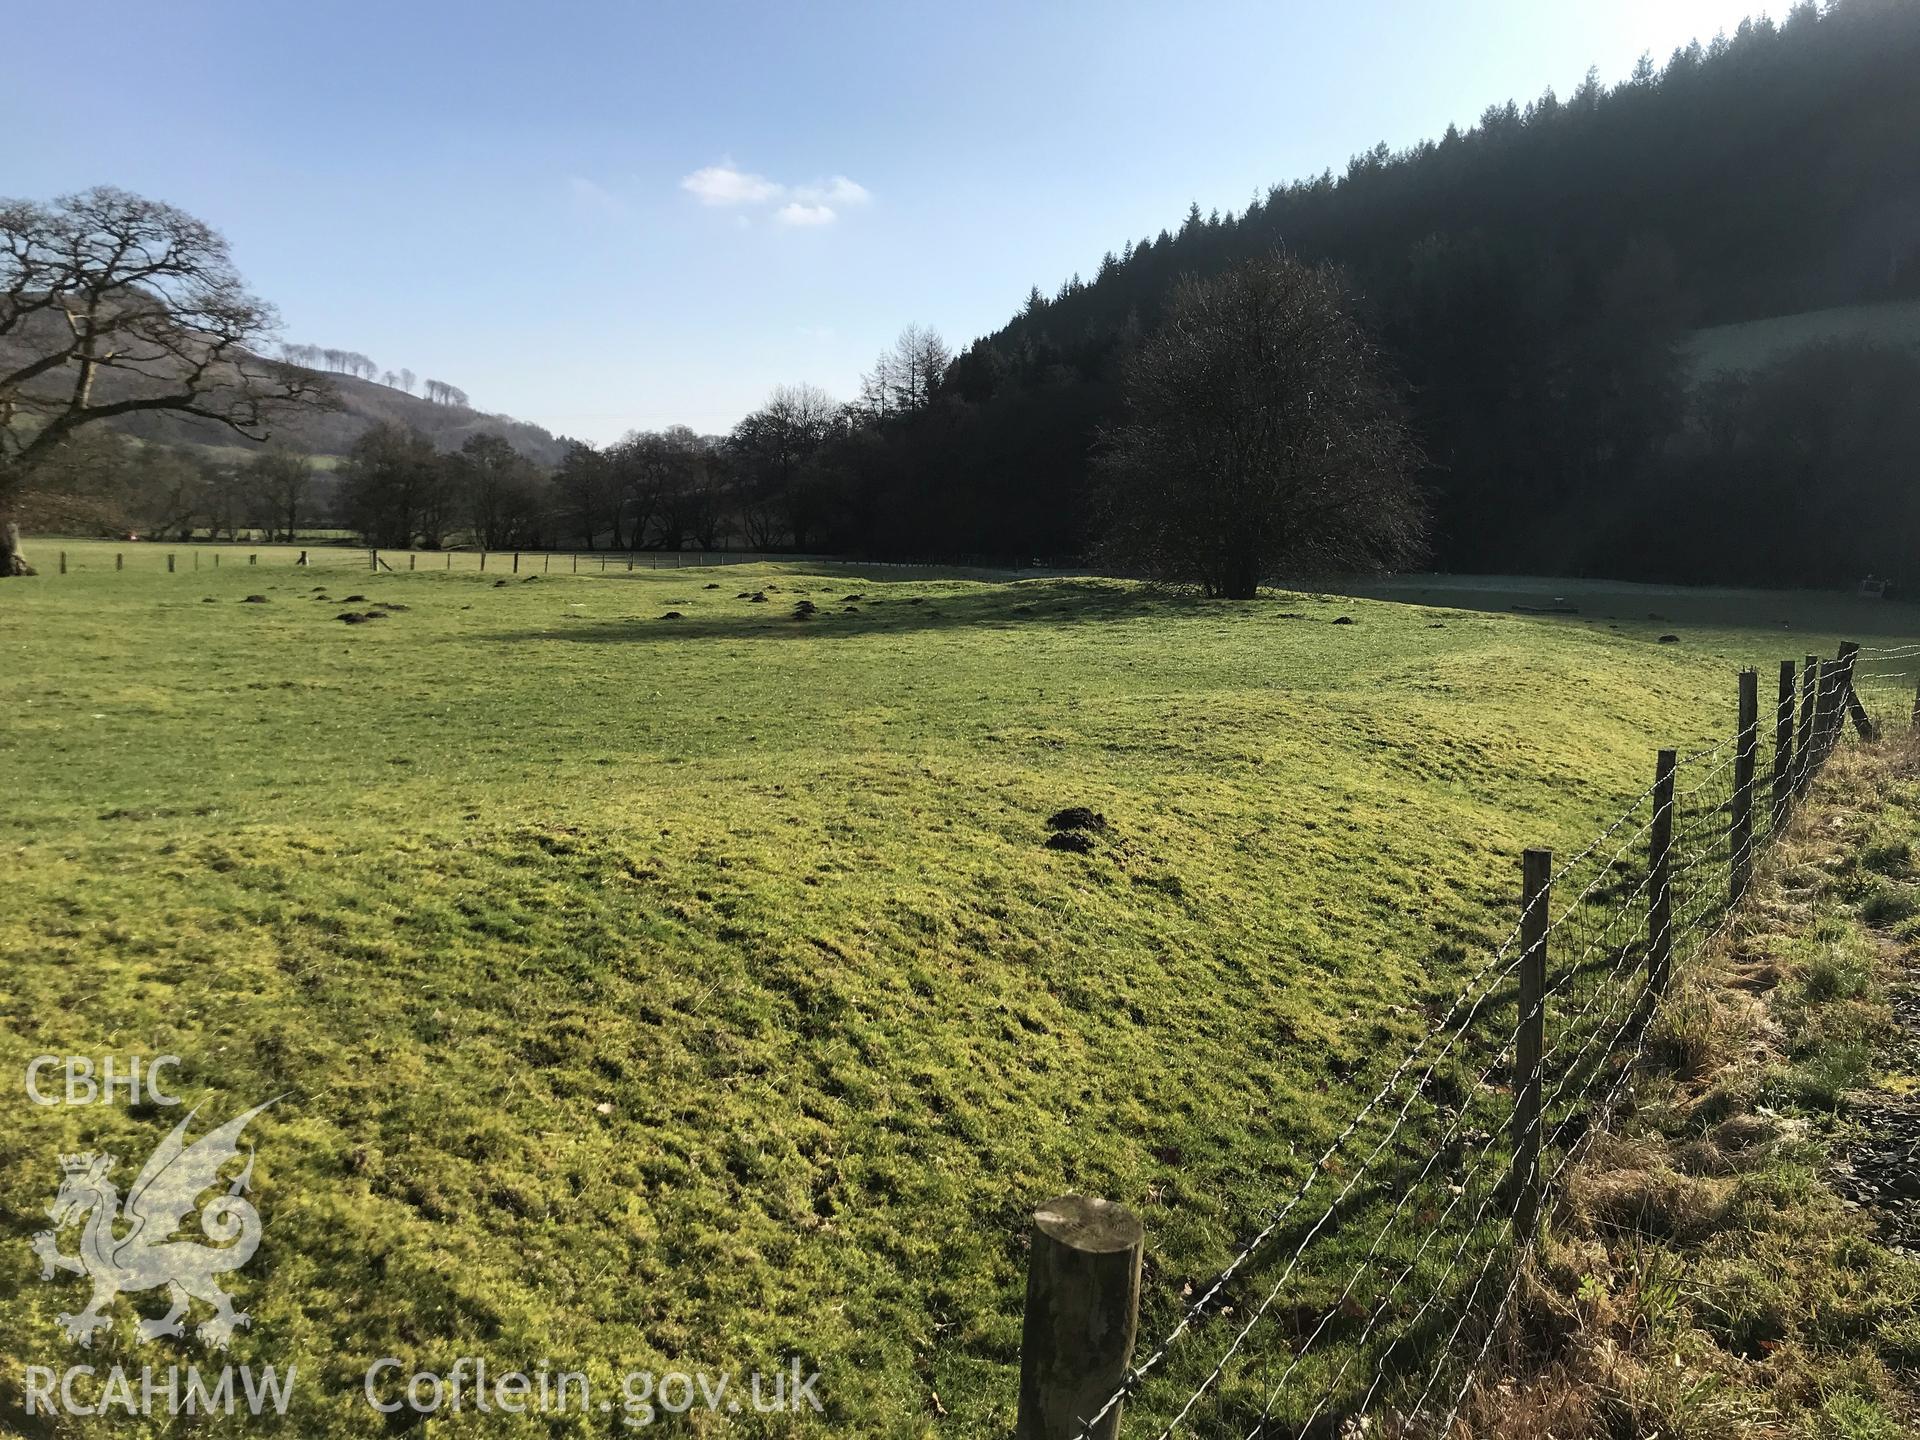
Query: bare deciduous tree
(582, 483)
(769, 450)
(920, 360)
(905, 377)
(396, 488)
(1263, 440)
(673, 468)
(113, 305)
(651, 473)
(504, 493)
(280, 481)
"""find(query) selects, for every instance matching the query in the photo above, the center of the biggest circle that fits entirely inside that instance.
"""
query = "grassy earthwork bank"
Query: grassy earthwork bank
(699, 992)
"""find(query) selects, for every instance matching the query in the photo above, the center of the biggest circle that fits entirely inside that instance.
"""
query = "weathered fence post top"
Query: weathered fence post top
(1088, 1224)
(1083, 1308)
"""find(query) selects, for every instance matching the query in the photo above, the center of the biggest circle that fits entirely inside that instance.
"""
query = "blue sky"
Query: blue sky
(604, 215)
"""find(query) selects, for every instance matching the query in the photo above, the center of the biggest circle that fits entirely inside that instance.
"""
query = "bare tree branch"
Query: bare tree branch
(113, 305)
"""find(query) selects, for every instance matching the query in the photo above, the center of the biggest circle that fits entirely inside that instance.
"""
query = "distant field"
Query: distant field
(240, 455)
(696, 992)
(244, 454)
(1730, 348)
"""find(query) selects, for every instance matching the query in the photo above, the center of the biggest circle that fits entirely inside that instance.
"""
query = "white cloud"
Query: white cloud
(594, 196)
(812, 205)
(837, 191)
(723, 185)
(794, 213)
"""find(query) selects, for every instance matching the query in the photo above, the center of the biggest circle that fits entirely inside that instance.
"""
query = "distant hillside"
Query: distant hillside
(364, 403)
(1534, 281)
(1769, 173)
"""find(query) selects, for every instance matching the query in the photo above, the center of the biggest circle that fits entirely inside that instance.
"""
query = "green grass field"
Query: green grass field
(694, 993)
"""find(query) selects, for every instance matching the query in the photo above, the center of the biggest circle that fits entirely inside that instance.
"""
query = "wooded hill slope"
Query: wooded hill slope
(311, 431)
(363, 404)
(1532, 280)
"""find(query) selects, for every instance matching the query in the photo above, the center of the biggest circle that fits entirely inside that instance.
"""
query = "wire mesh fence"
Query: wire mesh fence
(1366, 1299)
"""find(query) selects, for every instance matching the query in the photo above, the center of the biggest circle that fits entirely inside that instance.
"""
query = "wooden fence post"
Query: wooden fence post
(216, 559)
(1529, 1041)
(1083, 1308)
(483, 562)
(1803, 749)
(170, 562)
(1740, 820)
(546, 563)
(196, 559)
(576, 563)
(253, 559)
(1783, 746)
(411, 557)
(1660, 874)
(516, 562)
(1850, 697)
(63, 562)
(120, 563)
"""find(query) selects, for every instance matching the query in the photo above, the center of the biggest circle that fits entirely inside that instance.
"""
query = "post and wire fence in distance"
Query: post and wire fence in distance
(80, 557)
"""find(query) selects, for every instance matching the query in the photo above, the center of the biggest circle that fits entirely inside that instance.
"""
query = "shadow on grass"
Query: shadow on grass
(857, 612)
(1635, 607)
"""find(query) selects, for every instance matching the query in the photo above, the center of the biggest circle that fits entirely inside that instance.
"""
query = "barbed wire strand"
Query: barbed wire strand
(1683, 919)
(1506, 1299)
(1435, 1228)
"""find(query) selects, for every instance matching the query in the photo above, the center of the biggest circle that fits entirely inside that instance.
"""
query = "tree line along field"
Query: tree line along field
(700, 992)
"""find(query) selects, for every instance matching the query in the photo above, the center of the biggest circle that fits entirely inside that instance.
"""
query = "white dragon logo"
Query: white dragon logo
(149, 1255)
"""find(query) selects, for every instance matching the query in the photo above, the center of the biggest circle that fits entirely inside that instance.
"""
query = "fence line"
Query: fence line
(80, 556)
(186, 557)
(1597, 940)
